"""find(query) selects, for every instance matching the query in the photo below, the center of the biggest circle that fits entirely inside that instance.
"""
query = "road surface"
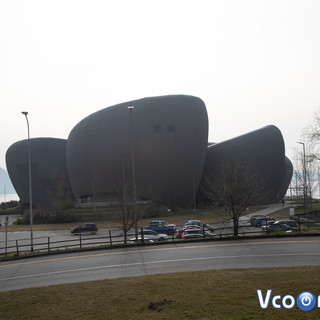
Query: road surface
(136, 261)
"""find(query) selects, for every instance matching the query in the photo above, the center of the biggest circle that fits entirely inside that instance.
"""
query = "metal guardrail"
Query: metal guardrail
(84, 241)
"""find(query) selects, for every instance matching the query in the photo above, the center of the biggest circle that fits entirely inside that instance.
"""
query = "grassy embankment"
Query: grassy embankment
(110, 217)
(220, 294)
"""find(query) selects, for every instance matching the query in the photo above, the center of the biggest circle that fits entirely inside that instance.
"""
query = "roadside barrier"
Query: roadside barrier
(108, 239)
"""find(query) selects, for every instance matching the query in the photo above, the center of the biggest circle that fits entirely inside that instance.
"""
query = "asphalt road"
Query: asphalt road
(135, 261)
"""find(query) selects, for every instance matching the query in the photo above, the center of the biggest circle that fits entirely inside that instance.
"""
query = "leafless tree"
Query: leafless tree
(311, 134)
(308, 173)
(235, 185)
(129, 218)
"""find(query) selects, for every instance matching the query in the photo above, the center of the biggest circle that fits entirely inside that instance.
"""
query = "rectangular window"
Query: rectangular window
(171, 128)
(156, 128)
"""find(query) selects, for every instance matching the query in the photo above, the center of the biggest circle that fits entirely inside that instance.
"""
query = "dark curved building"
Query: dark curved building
(286, 180)
(172, 156)
(170, 140)
(264, 152)
(48, 168)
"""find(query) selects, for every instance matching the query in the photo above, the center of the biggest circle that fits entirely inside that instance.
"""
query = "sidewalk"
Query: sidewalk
(266, 211)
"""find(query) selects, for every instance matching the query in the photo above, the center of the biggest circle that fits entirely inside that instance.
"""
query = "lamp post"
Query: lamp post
(30, 184)
(134, 191)
(305, 190)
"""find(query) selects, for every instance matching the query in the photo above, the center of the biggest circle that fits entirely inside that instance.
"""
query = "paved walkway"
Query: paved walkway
(272, 208)
(266, 211)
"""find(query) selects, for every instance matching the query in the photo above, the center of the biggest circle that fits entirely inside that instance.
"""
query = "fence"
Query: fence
(85, 241)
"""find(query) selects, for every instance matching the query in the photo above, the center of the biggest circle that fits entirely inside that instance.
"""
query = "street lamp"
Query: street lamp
(30, 184)
(134, 191)
(305, 190)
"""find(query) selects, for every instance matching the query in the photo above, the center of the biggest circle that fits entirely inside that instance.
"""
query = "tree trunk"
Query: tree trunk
(235, 227)
(125, 234)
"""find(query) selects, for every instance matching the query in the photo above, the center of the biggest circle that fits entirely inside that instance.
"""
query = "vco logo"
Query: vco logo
(306, 301)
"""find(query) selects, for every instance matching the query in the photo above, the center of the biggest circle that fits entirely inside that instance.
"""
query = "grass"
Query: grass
(220, 294)
(109, 218)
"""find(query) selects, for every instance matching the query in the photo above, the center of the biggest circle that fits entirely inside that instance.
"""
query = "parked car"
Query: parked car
(267, 223)
(259, 220)
(280, 227)
(86, 227)
(192, 236)
(162, 226)
(200, 224)
(290, 223)
(256, 216)
(181, 231)
(153, 235)
(133, 240)
(205, 234)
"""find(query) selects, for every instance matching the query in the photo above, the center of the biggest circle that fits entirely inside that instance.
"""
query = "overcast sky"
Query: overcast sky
(253, 63)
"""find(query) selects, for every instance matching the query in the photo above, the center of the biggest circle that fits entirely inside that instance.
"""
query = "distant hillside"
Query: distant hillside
(5, 183)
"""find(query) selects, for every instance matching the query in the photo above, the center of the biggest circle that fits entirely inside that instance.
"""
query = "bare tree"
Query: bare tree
(297, 184)
(312, 135)
(235, 185)
(128, 217)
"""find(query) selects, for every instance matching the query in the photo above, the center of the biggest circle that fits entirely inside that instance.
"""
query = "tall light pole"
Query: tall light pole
(305, 189)
(30, 184)
(134, 190)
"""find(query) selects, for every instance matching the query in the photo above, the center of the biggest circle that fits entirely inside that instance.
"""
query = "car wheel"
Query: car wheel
(161, 239)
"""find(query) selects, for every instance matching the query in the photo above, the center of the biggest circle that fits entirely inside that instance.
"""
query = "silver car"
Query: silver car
(152, 235)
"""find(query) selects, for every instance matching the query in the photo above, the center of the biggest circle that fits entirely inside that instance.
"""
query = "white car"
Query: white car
(151, 235)
(199, 232)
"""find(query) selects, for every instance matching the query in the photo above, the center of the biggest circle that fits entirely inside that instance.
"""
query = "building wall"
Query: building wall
(170, 138)
(48, 167)
(171, 152)
(264, 151)
(286, 180)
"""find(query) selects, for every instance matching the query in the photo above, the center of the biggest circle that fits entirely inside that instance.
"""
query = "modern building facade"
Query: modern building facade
(169, 136)
(160, 143)
(48, 168)
(263, 152)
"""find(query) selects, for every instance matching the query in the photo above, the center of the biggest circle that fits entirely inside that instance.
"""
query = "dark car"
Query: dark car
(280, 227)
(254, 217)
(86, 227)
(259, 220)
(290, 223)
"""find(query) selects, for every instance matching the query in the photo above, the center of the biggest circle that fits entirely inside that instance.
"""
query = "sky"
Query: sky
(253, 63)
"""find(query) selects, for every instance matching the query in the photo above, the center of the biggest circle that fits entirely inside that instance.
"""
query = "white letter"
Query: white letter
(275, 305)
(319, 301)
(264, 303)
(284, 303)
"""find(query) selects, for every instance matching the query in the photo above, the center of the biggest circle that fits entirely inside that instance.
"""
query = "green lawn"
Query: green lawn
(222, 294)
(110, 218)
